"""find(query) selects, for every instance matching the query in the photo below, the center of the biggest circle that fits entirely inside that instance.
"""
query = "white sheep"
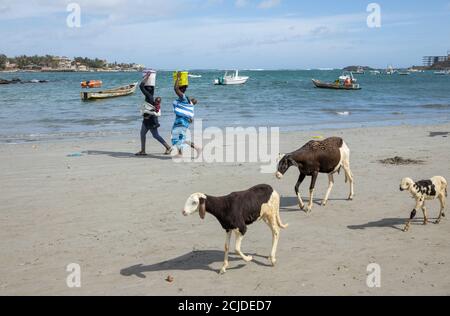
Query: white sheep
(421, 191)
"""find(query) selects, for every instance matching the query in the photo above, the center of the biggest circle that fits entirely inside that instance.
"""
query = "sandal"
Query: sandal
(141, 154)
(168, 151)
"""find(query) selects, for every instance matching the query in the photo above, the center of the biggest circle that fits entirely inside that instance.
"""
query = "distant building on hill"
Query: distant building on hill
(429, 61)
(32, 67)
(138, 67)
(81, 67)
(9, 66)
(64, 63)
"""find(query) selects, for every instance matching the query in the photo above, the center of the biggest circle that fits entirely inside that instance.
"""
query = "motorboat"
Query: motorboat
(390, 70)
(233, 79)
(359, 71)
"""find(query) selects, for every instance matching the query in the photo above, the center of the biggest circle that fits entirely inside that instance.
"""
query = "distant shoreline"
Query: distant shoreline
(63, 71)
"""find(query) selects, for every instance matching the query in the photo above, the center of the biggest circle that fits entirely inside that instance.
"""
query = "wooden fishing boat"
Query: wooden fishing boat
(111, 93)
(335, 85)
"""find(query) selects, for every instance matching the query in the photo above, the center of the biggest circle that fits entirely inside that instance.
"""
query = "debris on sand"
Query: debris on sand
(436, 134)
(400, 161)
(170, 279)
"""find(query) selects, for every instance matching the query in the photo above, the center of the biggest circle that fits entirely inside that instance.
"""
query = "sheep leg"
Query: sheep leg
(442, 212)
(239, 238)
(311, 192)
(297, 186)
(273, 225)
(425, 215)
(349, 178)
(419, 204)
(227, 249)
(330, 187)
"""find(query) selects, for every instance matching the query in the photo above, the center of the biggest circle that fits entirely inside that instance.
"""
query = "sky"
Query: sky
(220, 34)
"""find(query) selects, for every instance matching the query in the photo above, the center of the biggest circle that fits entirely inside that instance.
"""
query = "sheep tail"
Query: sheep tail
(280, 223)
(444, 182)
(276, 209)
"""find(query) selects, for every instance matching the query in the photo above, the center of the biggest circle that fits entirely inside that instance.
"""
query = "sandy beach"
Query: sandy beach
(119, 217)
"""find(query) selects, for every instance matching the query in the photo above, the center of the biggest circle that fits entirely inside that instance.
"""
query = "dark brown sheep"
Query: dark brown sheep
(238, 210)
(327, 156)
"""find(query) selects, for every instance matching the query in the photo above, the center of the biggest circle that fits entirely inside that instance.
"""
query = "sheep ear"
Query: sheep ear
(202, 208)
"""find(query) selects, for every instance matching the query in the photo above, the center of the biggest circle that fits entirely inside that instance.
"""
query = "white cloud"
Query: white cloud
(210, 43)
(241, 3)
(130, 9)
(163, 34)
(268, 4)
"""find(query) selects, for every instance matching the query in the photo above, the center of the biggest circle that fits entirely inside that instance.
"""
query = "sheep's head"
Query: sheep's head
(285, 163)
(406, 184)
(196, 202)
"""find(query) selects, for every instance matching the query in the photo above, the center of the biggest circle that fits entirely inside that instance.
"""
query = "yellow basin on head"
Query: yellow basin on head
(184, 81)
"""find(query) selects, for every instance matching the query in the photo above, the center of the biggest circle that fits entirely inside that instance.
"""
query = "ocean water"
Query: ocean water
(286, 99)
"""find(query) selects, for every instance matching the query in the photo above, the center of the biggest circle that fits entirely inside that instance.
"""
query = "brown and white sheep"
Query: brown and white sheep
(238, 210)
(327, 156)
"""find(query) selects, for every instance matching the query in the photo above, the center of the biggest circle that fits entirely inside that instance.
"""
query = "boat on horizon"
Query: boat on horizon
(359, 71)
(233, 79)
(111, 93)
(390, 70)
(442, 72)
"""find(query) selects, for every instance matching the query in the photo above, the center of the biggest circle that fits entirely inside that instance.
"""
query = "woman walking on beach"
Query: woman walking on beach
(151, 111)
(184, 115)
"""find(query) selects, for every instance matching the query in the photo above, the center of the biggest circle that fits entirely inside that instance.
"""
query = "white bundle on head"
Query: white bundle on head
(150, 76)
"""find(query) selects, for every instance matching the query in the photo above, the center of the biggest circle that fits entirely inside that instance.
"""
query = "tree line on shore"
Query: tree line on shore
(50, 61)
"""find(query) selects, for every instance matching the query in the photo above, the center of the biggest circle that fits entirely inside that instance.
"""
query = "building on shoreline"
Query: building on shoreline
(429, 61)
(10, 66)
(64, 63)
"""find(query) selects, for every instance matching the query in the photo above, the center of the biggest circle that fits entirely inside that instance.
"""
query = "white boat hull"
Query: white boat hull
(234, 81)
